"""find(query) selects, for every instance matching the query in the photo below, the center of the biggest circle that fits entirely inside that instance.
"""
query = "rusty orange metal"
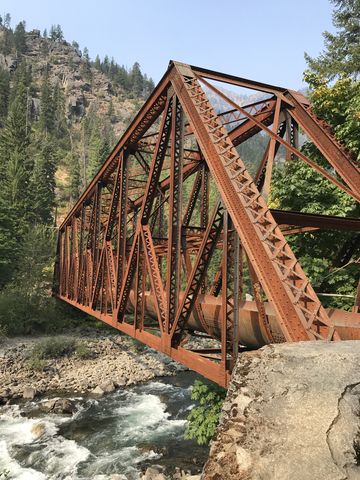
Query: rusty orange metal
(174, 231)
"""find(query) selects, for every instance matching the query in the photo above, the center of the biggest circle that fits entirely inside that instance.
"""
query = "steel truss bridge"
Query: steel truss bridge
(174, 230)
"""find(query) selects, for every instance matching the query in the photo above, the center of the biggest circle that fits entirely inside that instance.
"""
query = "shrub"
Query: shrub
(82, 351)
(35, 363)
(53, 348)
(3, 333)
(203, 419)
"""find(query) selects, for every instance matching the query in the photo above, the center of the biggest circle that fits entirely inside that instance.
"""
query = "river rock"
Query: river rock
(5, 395)
(38, 430)
(108, 386)
(29, 393)
(153, 473)
(98, 391)
(120, 382)
(59, 405)
(291, 412)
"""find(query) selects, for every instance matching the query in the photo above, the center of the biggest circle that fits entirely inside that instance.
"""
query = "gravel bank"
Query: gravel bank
(114, 361)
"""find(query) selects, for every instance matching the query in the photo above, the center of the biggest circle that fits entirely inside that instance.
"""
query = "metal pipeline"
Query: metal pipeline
(251, 331)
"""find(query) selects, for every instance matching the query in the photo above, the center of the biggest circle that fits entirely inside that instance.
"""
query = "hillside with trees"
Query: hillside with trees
(60, 116)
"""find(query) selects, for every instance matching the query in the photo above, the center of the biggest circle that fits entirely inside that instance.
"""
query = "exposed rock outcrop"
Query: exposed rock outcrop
(292, 412)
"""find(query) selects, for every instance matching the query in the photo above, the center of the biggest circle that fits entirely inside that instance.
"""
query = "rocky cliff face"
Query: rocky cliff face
(292, 412)
(66, 67)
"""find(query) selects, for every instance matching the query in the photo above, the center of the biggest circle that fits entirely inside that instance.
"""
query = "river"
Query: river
(121, 433)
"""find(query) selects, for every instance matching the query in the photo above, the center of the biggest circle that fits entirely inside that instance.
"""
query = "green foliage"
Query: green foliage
(36, 363)
(3, 333)
(82, 351)
(56, 33)
(20, 38)
(329, 258)
(26, 305)
(43, 183)
(342, 49)
(204, 418)
(4, 95)
(132, 81)
(51, 348)
(46, 120)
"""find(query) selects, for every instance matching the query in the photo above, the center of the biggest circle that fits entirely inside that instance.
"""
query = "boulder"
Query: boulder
(153, 473)
(98, 391)
(120, 382)
(38, 430)
(291, 412)
(59, 405)
(108, 386)
(29, 393)
(5, 395)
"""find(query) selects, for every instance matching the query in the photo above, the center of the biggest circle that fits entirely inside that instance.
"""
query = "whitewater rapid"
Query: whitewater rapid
(121, 433)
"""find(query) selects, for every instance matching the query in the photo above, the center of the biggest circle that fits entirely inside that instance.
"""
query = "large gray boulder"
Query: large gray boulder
(291, 413)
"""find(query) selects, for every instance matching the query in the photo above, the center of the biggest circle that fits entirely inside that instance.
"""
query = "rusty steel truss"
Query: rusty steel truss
(167, 234)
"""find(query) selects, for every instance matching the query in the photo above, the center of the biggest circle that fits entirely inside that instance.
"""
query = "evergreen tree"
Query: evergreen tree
(8, 238)
(15, 171)
(137, 80)
(58, 102)
(7, 20)
(342, 49)
(46, 119)
(45, 33)
(111, 112)
(86, 66)
(97, 63)
(338, 103)
(105, 65)
(4, 94)
(56, 33)
(122, 78)
(43, 183)
(20, 38)
(74, 177)
(7, 41)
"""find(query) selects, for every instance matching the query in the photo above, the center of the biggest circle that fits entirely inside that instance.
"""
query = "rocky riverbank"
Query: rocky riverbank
(98, 362)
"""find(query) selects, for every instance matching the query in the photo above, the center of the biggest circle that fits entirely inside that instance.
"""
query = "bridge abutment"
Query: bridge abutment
(292, 412)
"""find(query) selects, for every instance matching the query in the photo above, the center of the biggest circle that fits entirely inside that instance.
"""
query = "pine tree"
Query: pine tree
(137, 80)
(86, 66)
(111, 112)
(4, 94)
(58, 101)
(43, 183)
(7, 20)
(342, 49)
(7, 42)
(74, 177)
(105, 65)
(15, 171)
(8, 239)
(46, 119)
(122, 78)
(56, 33)
(20, 38)
(97, 63)
(45, 33)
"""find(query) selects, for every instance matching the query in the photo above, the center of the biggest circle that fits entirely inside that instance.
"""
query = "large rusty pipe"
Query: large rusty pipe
(252, 333)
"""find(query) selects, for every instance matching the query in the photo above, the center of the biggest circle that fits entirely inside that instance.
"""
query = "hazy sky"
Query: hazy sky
(263, 40)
